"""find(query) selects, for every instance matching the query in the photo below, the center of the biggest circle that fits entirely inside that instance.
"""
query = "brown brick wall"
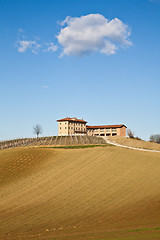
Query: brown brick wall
(123, 131)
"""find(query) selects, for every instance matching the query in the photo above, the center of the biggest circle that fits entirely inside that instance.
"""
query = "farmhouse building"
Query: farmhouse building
(73, 126)
(107, 130)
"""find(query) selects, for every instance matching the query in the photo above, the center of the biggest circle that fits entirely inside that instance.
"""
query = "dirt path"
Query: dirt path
(124, 146)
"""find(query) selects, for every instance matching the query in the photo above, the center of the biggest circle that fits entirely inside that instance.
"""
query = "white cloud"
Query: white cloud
(51, 47)
(25, 44)
(34, 46)
(45, 86)
(64, 21)
(93, 33)
(109, 48)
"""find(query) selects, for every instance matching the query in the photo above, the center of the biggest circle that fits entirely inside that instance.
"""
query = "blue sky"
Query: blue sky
(110, 75)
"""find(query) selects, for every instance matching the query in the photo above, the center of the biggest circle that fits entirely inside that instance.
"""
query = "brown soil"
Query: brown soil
(131, 142)
(74, 194)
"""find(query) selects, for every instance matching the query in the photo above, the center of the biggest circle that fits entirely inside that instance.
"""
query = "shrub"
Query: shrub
(137, 138)
(130, 133)
(155, 138)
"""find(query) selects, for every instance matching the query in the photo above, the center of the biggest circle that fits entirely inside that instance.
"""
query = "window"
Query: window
(96, 130)
(102, 130)
(65, 128)
(60, 127)
(114, 134)
(60, 123)
(114, 129)
(107, 130)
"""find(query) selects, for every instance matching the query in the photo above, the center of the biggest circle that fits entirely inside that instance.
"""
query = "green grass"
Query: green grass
(144, 229)
(80, 146)
(118, 235)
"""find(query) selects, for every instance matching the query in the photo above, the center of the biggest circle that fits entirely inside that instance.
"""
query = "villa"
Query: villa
(74, 126)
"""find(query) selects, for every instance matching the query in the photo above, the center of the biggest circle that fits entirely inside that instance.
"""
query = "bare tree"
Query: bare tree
(130, 133)
(152, 138)
(37, 129)
(155, 138)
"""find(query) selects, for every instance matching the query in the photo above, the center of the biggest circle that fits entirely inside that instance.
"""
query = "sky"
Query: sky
(92, 59)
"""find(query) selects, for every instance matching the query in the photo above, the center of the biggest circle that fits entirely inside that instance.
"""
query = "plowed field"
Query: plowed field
(99, 193)
(133, 142)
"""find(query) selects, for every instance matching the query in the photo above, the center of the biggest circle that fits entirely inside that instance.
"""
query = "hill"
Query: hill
(133, 142)
(91, 193)
(52, 141)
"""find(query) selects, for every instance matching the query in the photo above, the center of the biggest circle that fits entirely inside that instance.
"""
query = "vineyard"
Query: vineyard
(53, 140)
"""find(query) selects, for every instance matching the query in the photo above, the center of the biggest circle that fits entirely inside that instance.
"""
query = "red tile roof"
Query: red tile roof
(106, 126)
(72, 120)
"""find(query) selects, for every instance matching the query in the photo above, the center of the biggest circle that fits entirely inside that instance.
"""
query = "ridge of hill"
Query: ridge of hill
(67, 194)
(53, 141)
(135, 143)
